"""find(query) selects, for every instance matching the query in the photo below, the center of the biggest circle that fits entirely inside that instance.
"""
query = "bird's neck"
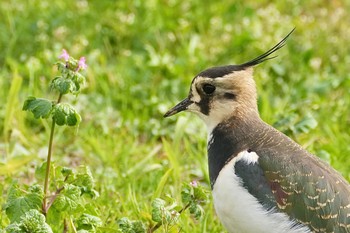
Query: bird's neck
(230, 137)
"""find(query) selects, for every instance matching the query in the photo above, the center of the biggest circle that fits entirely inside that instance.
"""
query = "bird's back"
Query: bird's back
(285, 177)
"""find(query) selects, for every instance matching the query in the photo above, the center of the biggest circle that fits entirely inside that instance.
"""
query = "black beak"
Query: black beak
(179, 107)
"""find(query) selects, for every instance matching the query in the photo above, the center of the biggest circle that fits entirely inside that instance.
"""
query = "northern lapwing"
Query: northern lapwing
(261, 180)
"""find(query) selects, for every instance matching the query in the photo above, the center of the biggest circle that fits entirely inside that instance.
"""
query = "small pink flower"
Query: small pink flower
(64, 55)
(194, 183)
(81, 64)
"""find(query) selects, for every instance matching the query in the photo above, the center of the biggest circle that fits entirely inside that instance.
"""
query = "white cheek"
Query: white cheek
(218, 114)
(194, 108)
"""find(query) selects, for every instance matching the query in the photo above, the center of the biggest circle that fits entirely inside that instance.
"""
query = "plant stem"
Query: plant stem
(48, 163)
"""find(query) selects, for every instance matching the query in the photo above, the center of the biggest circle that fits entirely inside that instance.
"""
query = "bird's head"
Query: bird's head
(225, 91)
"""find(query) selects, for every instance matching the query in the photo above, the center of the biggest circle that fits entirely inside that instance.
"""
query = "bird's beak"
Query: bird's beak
(182, 106)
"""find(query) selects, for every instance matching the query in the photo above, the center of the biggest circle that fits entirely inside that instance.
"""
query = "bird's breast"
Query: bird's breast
(239, 211)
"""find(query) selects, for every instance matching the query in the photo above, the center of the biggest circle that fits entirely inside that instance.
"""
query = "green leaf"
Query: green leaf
(194, 195)
(69, 199)
(186, 194)
(88, 222)
(158, 206)
(71, 80)
(139, 227)
(66, 171)
(196, 210)
(31, 221)
(78, 80)
(305, 124)
(63, 85)
(200, 194)
(65, 114)
(39, 107)
(19, 202)
(40, 171)
(85, 181)
(61, 66)
(159, 212)
(127, 226)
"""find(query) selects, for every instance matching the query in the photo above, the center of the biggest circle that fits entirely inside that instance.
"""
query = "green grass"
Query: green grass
(142, 56)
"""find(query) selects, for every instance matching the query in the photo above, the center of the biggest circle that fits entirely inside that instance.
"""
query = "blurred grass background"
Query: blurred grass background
(142, 56)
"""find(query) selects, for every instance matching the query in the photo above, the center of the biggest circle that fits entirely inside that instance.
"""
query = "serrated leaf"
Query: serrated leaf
(124, 225)
(196, 210)
(37, 189)
(65, 114)
(194, 195)
(68, 200)
(200, 194)
(40, 171)
(18, 202)
(31, 221)
(73, 119)
(63, 85)
(39, 107)
(61, 66)
(127, 226)
(66, 171)
(186, 193)
(78, 80)
(71, 80)
(139, 227)
(159, 211)
(88, 222)
(85, 181)
(158, 206)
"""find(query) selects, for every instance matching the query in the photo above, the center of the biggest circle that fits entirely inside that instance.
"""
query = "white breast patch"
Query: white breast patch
(239, 211)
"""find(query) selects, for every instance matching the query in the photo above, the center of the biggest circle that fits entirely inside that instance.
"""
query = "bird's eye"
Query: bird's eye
(208, 88)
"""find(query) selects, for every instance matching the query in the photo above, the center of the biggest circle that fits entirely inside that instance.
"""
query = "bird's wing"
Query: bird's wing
(301, 185)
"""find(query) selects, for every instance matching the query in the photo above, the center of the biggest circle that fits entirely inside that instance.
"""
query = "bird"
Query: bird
(261, 180)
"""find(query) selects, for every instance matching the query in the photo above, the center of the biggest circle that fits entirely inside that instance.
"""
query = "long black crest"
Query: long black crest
(220, 71)
(263, 57)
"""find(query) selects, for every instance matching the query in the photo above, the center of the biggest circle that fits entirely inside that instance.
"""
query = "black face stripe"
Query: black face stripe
(230, 96)
(204, 102)
(204, 105)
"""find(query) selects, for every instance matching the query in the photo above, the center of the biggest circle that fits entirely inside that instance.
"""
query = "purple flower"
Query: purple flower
(194, 183)
(64, 55)
(81, 64)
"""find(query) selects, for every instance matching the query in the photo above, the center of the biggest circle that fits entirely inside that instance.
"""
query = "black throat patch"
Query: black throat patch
(230, 138)
(222, 147)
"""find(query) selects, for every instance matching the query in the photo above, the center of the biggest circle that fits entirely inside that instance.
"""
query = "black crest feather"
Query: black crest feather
(265, 56)
(220, 71)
